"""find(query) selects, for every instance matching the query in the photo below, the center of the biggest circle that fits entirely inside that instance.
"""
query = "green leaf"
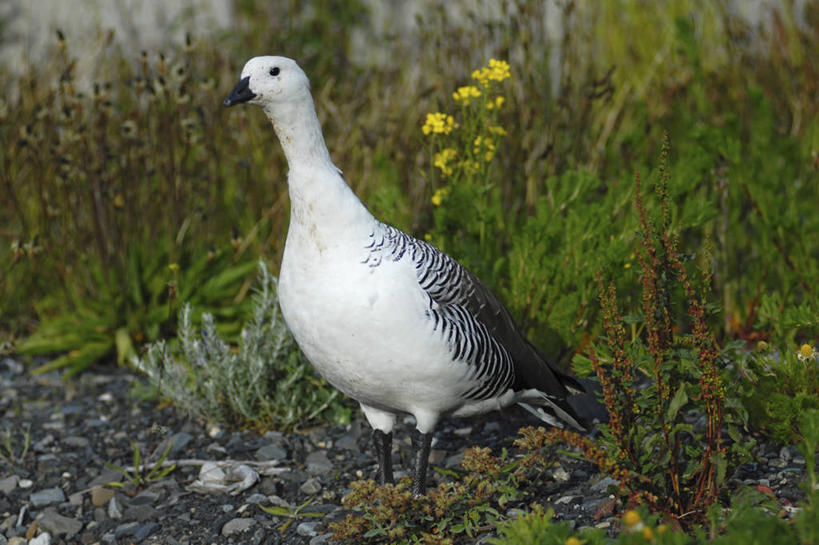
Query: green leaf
(680, 399)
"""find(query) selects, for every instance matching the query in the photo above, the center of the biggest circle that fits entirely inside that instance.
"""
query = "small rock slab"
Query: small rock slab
(56, 524)
(47, 496)
(237, 526)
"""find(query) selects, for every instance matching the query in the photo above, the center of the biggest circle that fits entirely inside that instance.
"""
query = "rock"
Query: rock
(114, 510)
(106, 477)
(603, 484)
(178, 441)
(25, 483)
(785, 454)
(271, 452)
(56, 524)
(323, 539)
(347, 441)
(307, 529)
(146, 497)
(560, 475)
(139, 513)
(463, 432)
(8, 484)
(568, 499)
(101, 496)
(437, 456)
(256, 498)
(42, 539)
(237, 526)
(76, 441)
(42, 445)
(47, 496)
(134, 530)
(454, 460)
(17, 541)
(318, 463)
(310, 487)
(76, 498)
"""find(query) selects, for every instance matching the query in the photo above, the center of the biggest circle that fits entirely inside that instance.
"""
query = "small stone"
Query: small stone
(76, 441)
(146, 497)
(76, 498)
(139, 513)
(56, 524)
(347, 442)
(47, 496)
(8, 484)
(310, 487)
(237, 526)
(42, 444)
(785, 454)
(437, 456)
(455, 460)
(16, 540)
(603, 484)
(323, 539)
(25, 483)
(101, 496)
(114, 510)
(463, 432)
(560, 475)
(271, 452)
(777, 463)
(307, 529)
(178, 441)
(144, 530)
(318, 463)
(107, 476)
(567, 499)
(256, 498)
(603, 525)
(42, 539)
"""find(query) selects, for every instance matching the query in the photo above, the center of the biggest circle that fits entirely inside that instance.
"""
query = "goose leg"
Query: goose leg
(383, 452)
(421, 443)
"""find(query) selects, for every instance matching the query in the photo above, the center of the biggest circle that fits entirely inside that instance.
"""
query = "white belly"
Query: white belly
(365, 330)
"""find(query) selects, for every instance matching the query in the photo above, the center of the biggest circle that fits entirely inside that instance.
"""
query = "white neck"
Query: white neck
(318, 193)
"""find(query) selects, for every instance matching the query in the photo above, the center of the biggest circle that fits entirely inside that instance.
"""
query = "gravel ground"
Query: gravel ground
(58, 494)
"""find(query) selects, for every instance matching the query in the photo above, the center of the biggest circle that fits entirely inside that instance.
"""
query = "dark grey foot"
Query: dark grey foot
(383, 454)
(421, 443)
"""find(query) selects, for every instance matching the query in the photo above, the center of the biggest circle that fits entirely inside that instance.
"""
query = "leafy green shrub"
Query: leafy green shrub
(653, 444)
(779, 386)
(266, 383)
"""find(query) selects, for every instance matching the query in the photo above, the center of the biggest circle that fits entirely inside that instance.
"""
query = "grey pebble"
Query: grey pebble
(323, 539)
(76, 441)
(310, 487)
(307, 529)
(54, 523)
(256, 498)
(48, 496)
(318, 463)
(114, 510)
(8, 484)
(178, 441)
(603, 484)
(237, 525)
(135, 530)
(271, 452)
(139, 513)
(227, 508)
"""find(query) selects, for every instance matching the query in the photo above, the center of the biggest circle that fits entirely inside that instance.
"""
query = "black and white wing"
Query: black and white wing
(477, 326)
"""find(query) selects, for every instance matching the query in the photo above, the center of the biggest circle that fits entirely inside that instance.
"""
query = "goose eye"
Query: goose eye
(274, 71)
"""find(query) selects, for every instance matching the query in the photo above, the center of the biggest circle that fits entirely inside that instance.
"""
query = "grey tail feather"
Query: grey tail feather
(560, 413)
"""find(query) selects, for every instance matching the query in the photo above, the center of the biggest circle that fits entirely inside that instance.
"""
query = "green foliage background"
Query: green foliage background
(127, 195)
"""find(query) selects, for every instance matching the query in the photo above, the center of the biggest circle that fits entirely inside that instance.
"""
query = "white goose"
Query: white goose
(389, 320)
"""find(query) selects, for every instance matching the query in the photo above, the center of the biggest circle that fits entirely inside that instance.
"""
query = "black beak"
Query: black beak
(241, 93)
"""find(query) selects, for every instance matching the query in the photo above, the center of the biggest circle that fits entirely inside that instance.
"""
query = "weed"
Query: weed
(264, 383)
(141, 475)
(9, 453)
(290, 514)
(664, 442)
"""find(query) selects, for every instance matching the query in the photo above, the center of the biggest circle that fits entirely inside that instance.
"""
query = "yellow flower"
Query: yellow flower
(443, 159)
(482, 143)
(495, 104)
(497, 129)
(427, 237)
(631, 518)
(464, 95)
(496, 71)
(439, 196)
(806, 352)
(762, 346)
(438, 123)
(648, 533)
(573, 541)
(662, 528)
